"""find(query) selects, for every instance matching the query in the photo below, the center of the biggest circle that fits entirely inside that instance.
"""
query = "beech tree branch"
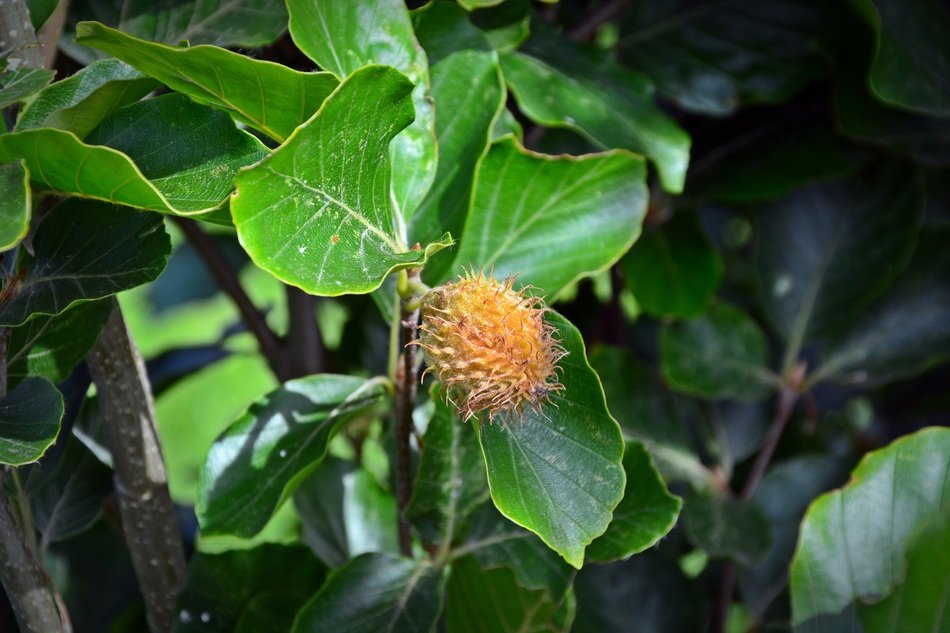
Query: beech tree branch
(148, 517)
(303, 350)
(406, 380)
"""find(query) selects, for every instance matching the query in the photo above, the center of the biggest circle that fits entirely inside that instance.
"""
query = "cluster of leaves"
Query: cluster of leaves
(738, 206)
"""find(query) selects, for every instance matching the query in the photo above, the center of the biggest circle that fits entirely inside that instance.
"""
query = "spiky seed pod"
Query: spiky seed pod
(489, 346)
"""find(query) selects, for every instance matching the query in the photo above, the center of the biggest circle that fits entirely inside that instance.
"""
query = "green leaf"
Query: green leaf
(29, 421)
(376, 593)
(468, 93)
(646, 513)
(507, 26)
(714, 56)
(906, 331)
(225, 23)
(316, 213)
(17, 205)
(17, 85)
(345, 513)
(66, 495)
(722, 354)
(491, 600)
(51, 346)
(560, 85)
(552, 220)
(80, 102)
(727, 528)
(266, 96)
(270, 611)
(221, 587)
(345, 36)
(895, 491)
(443, 28)
(674, 269)
(558, 471)
(264, 455)
(193, 175)
(918, 605)
(450, 483)
(910, 36)
(826, 251)
(74, 263)
(471, 5)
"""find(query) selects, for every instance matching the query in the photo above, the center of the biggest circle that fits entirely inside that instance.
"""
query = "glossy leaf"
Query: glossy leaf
(193, 174)
(443, 28)
(727, 528)
(73, 264)
(81, 101)
(558, 471)
(674, 269)
(66, 496)
(450, 483)
(906, 331)
(345, 513)
(722, 354)
(316, 213)
(910, 36)
(646, 513)
(17, 85)
(468, 93)
(552, 220)
(761, 52)
(50, 346)
(264, 455)
(827, 251)
(16, 205)
(29, 421)
(895, 491)
(490, 600)
(226, 23)
(345, 36)
(648, 412)
(376, 593)
(266, 96)
(221, 587)
(557, 84)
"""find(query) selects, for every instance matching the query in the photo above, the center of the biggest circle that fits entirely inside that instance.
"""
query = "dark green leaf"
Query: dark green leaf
(468, 93)
(269, 97)
(450, 483)
(345, 36)
(649, 413)
(271, 612)
(727, 528)
(722, 354)
(491, 600)
(262, 458)
(558, 471)
(376, 593)
(906, 331)
(552, 220)
(227, 23)
(557, 84)
(222, 587)
(316, 213)
(853, 541)
(50, 346)
(674, 269)
(345, 513)
(80, 102)
(507, 26)
(646, 513)
(199, 153)
(910, 36)
(66, 495)
(827, 251)
(29, 421)
(19, 84)
(918, 605)
(16, 205)
(75, 262)
(443, 28)
(714, 56)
